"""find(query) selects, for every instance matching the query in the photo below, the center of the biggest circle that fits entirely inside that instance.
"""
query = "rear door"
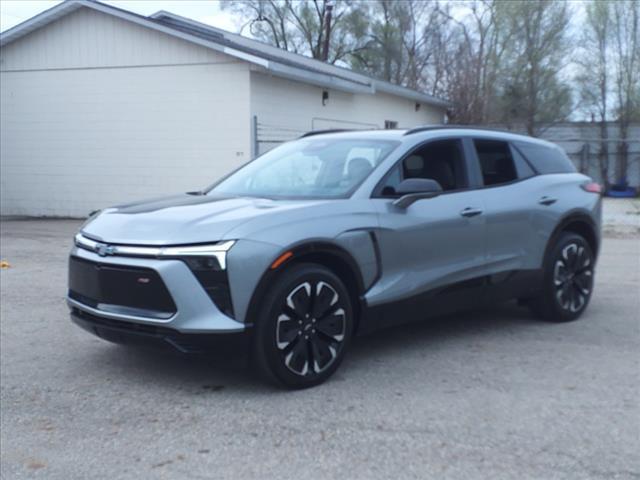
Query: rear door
(511, 192)
(433, 252)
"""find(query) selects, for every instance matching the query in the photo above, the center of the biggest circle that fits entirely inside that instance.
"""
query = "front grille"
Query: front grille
(111, 287)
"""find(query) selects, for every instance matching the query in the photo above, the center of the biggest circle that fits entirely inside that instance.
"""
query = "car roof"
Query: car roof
(429, 132)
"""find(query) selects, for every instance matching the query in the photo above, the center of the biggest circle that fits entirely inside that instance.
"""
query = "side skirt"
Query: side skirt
(478, 292)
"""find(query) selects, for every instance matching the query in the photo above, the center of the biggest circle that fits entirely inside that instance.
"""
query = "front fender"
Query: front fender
(247, 261)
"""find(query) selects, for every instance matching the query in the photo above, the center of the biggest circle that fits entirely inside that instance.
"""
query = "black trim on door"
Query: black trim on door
(473, 164)
(484, 291)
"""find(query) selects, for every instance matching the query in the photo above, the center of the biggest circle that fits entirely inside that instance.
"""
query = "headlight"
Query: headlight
(202, 255)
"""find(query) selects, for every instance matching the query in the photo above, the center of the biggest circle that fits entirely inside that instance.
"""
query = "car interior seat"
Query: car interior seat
(358, 168)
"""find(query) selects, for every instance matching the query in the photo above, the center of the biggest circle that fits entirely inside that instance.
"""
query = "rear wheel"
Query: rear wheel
(568, 280)
(304, 327)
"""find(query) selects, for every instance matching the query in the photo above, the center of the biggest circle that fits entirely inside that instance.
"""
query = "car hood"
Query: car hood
(183, 219)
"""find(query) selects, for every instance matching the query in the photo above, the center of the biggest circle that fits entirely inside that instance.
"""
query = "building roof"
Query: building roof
(278, 62)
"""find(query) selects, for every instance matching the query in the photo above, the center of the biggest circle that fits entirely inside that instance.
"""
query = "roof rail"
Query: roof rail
(426, 128)
(321, 132)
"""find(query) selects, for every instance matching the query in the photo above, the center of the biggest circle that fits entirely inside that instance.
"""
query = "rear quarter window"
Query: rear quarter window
(523, 167)
(546, 159)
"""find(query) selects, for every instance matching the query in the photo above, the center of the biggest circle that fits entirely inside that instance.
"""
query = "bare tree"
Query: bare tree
(594, 75)
(327, 30)
(419, 41)
(626, 54)
(534, 92)
(496, 60)
(383, 56)
(399, 42)
(472, 67)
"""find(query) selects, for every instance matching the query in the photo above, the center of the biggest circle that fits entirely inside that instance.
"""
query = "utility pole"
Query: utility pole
(327, 31)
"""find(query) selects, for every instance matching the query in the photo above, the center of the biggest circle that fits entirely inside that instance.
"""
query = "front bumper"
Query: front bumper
(195, 312)
(130, 333)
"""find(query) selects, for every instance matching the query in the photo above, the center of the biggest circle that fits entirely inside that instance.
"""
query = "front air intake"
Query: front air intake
(214, 281)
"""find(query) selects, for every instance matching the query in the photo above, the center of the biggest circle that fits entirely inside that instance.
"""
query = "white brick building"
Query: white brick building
(101, 106)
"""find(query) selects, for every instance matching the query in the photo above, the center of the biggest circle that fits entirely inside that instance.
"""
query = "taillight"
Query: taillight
(592, 187)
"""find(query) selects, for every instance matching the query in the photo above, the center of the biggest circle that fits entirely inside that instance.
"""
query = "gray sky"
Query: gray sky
(13, 12)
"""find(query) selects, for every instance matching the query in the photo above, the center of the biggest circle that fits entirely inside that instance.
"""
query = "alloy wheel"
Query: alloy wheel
(310, 328)
(573, 277)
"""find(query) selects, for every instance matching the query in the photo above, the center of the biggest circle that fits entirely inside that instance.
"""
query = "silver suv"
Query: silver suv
(339, 233)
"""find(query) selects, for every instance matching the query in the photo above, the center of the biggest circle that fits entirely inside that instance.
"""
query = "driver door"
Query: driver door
(433, 253)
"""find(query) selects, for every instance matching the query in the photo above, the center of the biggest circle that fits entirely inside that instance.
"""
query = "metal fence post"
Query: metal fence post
(584, 157)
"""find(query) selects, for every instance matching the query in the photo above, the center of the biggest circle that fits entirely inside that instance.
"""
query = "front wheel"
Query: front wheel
(568, 280)
(304, 327)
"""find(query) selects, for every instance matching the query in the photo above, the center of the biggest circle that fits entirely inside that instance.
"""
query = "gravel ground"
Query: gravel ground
(487, 395)
(621, 217)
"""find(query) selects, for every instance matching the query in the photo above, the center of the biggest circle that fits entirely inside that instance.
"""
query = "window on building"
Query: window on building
(390, 124)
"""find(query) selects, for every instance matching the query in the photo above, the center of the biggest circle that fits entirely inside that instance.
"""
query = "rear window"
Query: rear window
(546, 159)
(496, 162)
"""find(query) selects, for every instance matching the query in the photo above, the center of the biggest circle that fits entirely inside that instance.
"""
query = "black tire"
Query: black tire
(304, 327)
(567, 280)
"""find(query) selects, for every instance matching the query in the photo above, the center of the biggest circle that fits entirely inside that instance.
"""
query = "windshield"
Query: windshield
(311, 167)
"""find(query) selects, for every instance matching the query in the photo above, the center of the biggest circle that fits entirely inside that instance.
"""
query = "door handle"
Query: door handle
(547, 200)
(470, 212)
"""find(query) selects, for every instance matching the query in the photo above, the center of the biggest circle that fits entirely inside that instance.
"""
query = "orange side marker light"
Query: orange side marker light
(281, 259)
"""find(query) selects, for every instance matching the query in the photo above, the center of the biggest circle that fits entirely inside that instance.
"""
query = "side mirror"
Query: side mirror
(413, 189)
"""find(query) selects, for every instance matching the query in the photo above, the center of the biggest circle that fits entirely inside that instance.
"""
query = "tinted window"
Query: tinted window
(496, 162)
(522, 166)
(546, 159)
(442, 161)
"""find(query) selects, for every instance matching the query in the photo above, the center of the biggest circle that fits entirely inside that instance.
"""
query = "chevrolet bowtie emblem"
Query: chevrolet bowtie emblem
(103, 249)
